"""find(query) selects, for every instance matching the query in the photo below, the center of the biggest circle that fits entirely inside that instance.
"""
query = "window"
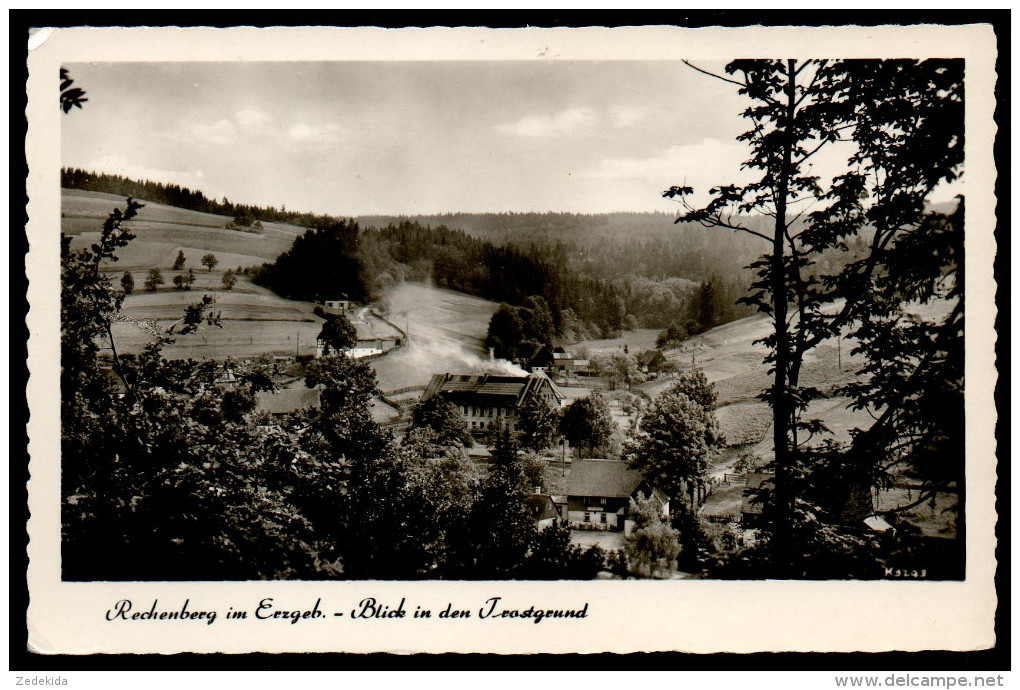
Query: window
(481, 425)
(587, 517)
(603, 518)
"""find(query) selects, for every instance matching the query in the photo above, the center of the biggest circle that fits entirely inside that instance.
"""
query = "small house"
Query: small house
(340, 304)
(226, 378)
(566, 364)
(535, 357)
(651, 361)
(599, 494)
(543, 510)
(369, 343)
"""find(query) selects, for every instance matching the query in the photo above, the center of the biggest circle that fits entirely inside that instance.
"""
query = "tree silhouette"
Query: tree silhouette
(154, 279)
(899, 126)
(69, 98)
(588, 425)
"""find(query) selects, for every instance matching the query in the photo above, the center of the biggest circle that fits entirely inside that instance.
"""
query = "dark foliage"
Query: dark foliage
(322, 264)
(444, 418)
(69, 97)
(588, 425)
(902, 124)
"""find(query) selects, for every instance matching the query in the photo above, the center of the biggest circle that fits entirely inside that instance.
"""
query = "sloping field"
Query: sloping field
(446, 333)
(76, 203)
(255, 321)
(161, 231)
(638, 340)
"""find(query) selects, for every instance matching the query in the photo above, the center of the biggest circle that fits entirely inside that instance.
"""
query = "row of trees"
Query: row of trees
(182, 281)
(244, 215)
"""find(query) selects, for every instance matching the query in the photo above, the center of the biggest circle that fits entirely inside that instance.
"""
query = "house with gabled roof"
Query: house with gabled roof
(599, 493)
(369, 342)
(485, 398)
(568, 364)
(340, 304)
(651, 361)
(543, 510)
(535, 357)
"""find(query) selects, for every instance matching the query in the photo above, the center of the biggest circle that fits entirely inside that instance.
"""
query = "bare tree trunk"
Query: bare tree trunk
(783, 504)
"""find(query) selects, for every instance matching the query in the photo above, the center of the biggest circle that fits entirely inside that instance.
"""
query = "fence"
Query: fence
(734, 478)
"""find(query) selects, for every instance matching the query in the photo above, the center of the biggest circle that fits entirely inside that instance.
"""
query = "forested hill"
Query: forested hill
(609, 245)
(598, 272)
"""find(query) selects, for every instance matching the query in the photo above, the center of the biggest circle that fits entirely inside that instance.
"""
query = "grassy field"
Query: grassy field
(254, 320)
(637, 341)
(161, 231)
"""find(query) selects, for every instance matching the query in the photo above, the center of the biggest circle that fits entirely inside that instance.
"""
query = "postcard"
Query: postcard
(536, 340)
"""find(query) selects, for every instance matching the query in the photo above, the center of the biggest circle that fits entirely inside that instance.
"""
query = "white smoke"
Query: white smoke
(443, 354)
(445, 334)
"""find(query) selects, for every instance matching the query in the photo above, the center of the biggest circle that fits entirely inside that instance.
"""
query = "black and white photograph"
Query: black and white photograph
(663, 320)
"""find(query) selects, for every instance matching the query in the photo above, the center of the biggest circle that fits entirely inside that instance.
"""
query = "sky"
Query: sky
(355, 138)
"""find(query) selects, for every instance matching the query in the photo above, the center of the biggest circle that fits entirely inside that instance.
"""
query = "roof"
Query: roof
(649, 357)
(494, 386)
(365, 331)
(609, 478)
(535, 352)
(542, 507)
(287, 400)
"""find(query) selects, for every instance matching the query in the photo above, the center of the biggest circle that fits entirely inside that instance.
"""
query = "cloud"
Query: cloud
(626, 115)
(328, 133)
(700, 165)
(251, 118)
(116, 164)
(220, 132)
(571, 121)
(708, 157)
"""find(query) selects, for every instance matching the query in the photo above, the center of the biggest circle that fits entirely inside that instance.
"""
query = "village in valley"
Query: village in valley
(427, 397)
